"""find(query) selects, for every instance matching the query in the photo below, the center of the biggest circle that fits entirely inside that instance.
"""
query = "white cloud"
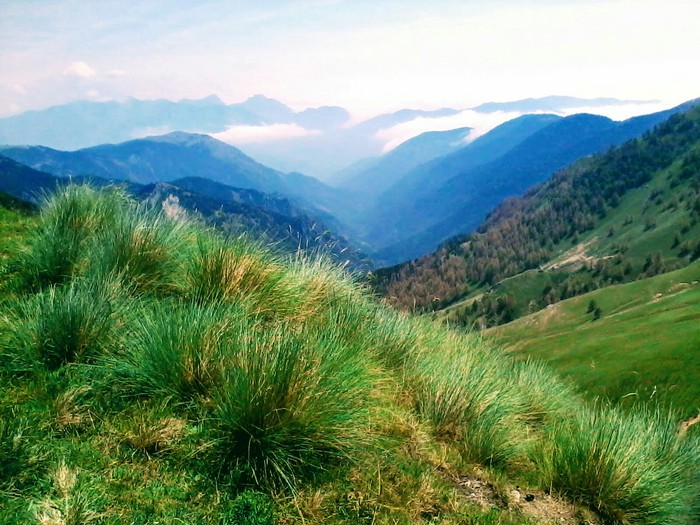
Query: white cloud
(622, 112)
(482, 123)
(259, 134)
(479, 122)
(79, 69)
(150, 131)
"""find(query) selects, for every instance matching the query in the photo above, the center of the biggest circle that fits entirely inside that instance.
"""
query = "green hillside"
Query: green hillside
(16, 217)
(154, 372)
(653, 229)
(644, 346)
(630, 213)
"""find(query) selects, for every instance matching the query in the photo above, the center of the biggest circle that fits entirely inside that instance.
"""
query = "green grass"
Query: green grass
(182, 377)
(644, 347)
(653, 221)
(618, 464)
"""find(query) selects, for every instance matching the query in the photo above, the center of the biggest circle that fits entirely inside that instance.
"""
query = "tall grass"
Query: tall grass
(144, 248)
(69, 221)
(294, 404)
(239, 271)
(279, 365)
(179, 350)
(630, 468)
(65, 324)
(463, 388)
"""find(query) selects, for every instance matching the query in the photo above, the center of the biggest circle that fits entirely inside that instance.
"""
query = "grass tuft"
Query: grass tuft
(68, 324)
(69, 221)
(143, 248)
(179, 351)
(176, 368)
(628, 468)
(293, 405)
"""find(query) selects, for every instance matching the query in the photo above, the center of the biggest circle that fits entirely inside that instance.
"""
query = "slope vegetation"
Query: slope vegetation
(453, 195)
(630, 212)
(631, 342)
(152, 371)
(233, 211)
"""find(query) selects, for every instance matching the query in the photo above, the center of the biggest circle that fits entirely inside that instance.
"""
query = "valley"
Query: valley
(178, 317)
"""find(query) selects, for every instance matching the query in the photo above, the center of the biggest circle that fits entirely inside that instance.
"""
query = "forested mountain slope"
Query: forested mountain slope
(551, 219)
(459, 191)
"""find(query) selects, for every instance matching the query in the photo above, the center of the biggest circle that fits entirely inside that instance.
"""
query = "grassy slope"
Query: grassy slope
(15, 220)
(645, 345)
(628, 223)
(272, 368)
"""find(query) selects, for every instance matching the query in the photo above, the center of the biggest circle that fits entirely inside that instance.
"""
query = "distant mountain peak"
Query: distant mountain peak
(209, 100)
(181, 137)
(555, 103)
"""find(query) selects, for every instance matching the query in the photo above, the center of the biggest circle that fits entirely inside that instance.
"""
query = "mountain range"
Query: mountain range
(628, 213)
(453, 194)
(395, 206)
(235, 211)
(316, 141)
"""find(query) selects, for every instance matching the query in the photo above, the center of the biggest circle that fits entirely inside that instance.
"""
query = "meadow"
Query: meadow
(153, 371)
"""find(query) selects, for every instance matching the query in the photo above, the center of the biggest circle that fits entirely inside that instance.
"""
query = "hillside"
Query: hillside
(181, 155)
(153, 371)
(155, 159)
(611, 218)
(642, 344)
(16, 216)
(234, 211)
(459, 191)
(387, 170)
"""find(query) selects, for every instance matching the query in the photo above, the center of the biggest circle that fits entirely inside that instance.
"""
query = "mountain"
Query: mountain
(388, 169)
(554, 104)
(268, 110)
(631, 212)
(409, 224)
(327, 143)
(270, 219)
(23, 182)
(155, 159)
(486, 148)
(324, 117)
(323, 152)
(84, 123)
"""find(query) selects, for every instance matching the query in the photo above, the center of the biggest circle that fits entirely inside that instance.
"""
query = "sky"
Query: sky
(369, 56)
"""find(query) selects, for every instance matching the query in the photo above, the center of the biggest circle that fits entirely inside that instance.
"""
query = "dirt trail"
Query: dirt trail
(685, 425)
(576, 255)
(531, 503)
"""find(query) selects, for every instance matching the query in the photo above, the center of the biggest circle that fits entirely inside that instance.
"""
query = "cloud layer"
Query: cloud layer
(241, 135)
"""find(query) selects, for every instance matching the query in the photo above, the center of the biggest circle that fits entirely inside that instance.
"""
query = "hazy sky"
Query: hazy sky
(366, 55)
